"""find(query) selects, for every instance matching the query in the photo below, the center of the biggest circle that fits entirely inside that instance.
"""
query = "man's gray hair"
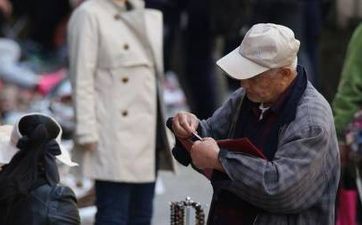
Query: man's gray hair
(293, 66)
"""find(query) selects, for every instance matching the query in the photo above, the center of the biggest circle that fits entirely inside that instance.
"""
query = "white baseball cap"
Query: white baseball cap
(9, 136)
(265, 46)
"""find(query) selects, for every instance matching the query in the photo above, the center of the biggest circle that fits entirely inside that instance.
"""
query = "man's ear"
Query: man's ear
(287, 74)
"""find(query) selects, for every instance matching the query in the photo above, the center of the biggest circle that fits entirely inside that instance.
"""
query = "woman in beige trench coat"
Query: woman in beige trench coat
(115, 49)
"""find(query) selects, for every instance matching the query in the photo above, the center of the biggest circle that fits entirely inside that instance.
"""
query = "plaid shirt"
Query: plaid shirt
(298, 186)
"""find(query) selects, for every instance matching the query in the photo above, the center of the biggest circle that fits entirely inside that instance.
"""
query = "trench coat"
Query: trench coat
(116, 68)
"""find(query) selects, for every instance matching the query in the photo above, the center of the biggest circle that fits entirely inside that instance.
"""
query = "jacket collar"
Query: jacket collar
(289, 108)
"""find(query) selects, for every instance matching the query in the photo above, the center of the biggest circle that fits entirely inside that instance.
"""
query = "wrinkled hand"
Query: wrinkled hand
(88, 147)
(205, 153)
(184, 124)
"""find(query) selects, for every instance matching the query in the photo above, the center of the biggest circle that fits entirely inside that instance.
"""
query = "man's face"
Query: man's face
(265, 87)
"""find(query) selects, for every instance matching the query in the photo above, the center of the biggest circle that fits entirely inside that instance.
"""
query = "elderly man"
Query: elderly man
(284, 116)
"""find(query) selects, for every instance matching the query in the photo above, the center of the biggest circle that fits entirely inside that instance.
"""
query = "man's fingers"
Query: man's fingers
(184, 124)
(208, 139)
(194, 123)
(189, 122)
(178, 125)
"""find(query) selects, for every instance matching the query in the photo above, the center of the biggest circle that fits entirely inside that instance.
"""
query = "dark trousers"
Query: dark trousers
(197, 77)
(124, 203)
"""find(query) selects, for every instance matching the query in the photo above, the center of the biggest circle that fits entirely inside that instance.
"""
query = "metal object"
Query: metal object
(180, 212)
(197, 136)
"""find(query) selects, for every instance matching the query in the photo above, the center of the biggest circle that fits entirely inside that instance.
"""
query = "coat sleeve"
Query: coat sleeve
(348, 98)
(83, 48)
(293, 181)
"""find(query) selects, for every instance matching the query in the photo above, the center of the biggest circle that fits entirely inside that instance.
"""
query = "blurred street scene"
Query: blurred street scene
(34, 74)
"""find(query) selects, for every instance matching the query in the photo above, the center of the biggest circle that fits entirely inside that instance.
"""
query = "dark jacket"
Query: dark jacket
(54, 205)
(298, 185)
(46, 205)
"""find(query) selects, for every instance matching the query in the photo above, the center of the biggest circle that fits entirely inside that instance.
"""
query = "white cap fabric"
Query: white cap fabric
(9, 136)
(265, 46)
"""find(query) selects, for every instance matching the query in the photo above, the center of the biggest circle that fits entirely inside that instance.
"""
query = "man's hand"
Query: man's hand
(184, 124)
(205, 153)
(88, 147)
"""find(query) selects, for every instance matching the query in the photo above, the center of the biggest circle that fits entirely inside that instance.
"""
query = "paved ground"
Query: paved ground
(177, 188)
(187, 183)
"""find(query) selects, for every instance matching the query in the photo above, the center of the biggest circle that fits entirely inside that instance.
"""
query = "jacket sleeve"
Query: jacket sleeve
(348, 98)
(293, 181)
(63, 207)
(83, 48)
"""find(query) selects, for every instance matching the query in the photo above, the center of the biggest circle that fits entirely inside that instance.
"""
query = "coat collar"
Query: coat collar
(138, 20)
(289, 108)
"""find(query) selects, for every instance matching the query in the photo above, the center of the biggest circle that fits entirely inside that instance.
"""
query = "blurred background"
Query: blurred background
(34, 65)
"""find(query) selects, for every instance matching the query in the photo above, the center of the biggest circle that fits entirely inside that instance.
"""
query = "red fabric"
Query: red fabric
(49, 80)
(242, 145)
(347, 207)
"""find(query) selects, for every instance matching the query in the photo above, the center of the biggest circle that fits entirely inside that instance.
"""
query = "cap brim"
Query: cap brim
(239, 67)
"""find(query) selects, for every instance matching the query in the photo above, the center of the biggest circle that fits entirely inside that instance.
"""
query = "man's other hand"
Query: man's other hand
(205, 153)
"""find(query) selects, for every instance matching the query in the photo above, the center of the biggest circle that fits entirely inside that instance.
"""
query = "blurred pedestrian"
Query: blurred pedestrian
(116, 68)
(348, 101)
(30, 192)
(284, 116)
(196, 56)
(9, 104)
